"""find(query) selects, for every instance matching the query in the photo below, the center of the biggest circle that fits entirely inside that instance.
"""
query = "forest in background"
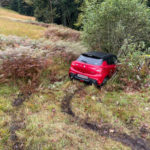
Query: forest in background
(65, 12)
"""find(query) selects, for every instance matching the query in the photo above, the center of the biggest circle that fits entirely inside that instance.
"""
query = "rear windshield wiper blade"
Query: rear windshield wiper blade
(91, 56)
(84, 61)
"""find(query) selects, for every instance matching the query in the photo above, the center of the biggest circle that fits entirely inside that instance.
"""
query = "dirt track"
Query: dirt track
(134, 143)
(17, 123)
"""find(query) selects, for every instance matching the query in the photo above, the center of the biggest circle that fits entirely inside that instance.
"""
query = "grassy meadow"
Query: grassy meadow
(10, 25)
(6, 13)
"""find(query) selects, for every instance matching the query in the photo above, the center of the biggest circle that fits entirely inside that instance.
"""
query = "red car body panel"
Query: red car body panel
(95, 72)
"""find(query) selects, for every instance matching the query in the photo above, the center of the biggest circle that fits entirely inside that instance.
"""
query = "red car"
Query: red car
(93, 67)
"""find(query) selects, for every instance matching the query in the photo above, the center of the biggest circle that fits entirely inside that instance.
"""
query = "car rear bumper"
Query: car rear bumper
(89, 80)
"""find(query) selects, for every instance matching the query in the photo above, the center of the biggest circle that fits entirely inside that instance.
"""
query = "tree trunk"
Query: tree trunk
(51, 9)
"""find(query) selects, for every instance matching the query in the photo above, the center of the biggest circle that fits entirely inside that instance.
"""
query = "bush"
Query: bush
(57, 32)
(108, 24)
(68, 57)
(26, 69)
(131, 73)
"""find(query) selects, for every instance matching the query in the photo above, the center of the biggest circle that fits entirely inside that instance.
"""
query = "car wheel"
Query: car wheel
(71, 77)
(105, 81)
(99, 86)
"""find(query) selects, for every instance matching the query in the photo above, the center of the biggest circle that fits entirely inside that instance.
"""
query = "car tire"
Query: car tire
(99, 86)
(71, 77)
(105, 81)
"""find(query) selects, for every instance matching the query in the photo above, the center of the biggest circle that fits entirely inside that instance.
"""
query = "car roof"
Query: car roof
(100, 55)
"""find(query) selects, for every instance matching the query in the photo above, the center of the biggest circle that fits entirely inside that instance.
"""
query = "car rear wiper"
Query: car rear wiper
(84, 61)
(91, 56)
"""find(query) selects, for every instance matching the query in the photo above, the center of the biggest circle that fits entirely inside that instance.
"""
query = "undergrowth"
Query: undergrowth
(47, 81)
(58, 32)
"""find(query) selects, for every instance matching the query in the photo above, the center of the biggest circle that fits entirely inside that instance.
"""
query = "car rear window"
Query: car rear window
(90, 60)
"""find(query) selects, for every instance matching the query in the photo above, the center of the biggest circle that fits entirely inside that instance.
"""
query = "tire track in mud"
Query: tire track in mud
(134, 143)
(17, 122)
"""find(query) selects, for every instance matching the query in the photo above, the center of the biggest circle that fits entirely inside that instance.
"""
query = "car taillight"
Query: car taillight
(73, 64)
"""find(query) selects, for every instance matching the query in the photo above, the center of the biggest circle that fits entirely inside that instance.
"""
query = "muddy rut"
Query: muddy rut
(134, 143)
(17, 122)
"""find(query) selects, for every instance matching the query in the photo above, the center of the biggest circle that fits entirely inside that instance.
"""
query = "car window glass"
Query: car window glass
(111, 60)
(90, 60)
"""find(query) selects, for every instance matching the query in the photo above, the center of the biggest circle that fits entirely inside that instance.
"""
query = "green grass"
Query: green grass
(8, 89)
(47, 127)
(6, 13)
(5, 118)
(8, 27)
(54, 130)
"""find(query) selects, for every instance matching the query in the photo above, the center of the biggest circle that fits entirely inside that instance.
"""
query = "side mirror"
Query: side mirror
(104, 63)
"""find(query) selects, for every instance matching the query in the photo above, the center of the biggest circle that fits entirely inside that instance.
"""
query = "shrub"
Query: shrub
(108, 24)
(131, 73)
(68, 57)
(55, 32)
(26, 69)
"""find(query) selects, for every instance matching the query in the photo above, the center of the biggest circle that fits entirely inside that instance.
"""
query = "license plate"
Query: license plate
(82, 76)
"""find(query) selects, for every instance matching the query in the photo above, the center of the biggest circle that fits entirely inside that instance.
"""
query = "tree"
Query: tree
(148, 3)
(14, 5)
(109, 24)
(63, 12)
(4, 3)
(22, 7)
(82, 8)
(68, 12)
(44, 10)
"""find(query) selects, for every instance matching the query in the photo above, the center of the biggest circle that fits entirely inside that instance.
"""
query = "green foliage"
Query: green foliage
(22, 7)
(68, 12)
(83, 8)
(7, 89)
(108, 24)
(14, 5)
(132, 72)
(4, 3)
(43, 11)
(61, 12)
(148, 3)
